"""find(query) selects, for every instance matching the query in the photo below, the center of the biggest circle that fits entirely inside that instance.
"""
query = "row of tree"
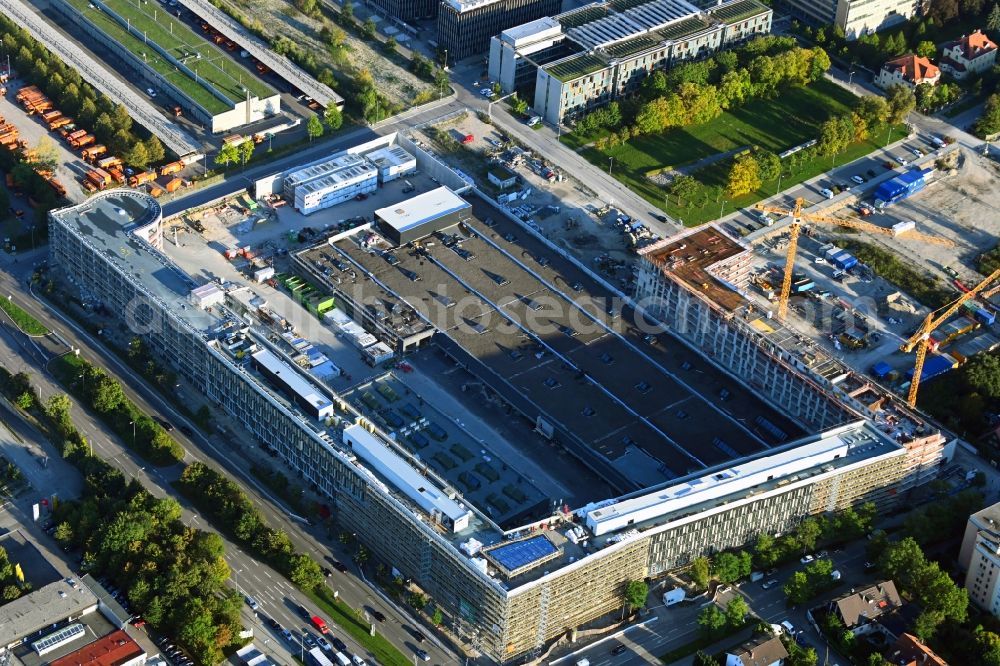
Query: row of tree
(731, 566)
(219, 497)
(105, 395)
(110, 123)
(11, 586)
(174, 576)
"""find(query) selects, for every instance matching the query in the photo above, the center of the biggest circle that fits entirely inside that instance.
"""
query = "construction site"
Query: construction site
(873, 278)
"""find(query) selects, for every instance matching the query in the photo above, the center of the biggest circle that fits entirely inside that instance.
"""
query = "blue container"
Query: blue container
(985, 316)
(881, 369)
(934, 365)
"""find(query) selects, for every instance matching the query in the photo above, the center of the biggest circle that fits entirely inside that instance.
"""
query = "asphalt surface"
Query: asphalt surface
(276, 596)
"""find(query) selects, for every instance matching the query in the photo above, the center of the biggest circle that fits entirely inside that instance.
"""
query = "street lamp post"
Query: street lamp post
(611, 160)
(132, 423)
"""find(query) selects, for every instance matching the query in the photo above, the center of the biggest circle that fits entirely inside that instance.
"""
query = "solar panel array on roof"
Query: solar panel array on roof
(636, 20)
(520, 554)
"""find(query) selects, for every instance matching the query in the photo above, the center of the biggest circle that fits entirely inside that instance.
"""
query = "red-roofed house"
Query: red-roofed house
(910, 70)
(968, 55)
(115, 649)
(909, 651)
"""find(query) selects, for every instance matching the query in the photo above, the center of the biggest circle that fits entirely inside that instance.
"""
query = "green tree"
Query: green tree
(808, 532)
(699, 572)
(390, 44)
(744, 176)
(926, 49)
(726, 568)
(711, 620)
(635, 593)
(684, 187)
(368, 29)
(137, 156)
(901, 101)
(333, 117)
(768, 164)
(736, 612)
(228, 154)
(106, 394)
(438, 617)
(25, 400)
(797, 589)
(304, 572)
(347, 11)
(246, 150)
(154, 150)
(987, 647)
(989, 121)
(314, 128)
(993, 20)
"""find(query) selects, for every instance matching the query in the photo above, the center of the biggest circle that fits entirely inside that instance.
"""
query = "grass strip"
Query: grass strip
(22, 319)
(348, 619)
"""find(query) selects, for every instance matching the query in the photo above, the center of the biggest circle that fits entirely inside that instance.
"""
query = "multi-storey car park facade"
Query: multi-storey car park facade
(509, 592)
(586, 57)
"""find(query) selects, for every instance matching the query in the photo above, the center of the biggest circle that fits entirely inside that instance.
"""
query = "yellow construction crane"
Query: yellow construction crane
(798, 218)
(931, 322)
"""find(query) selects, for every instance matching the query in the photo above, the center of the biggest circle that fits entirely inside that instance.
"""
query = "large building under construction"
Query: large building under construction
(712, 432)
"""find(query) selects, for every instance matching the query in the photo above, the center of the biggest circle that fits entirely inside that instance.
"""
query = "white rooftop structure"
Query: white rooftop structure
(531, 31)
(405, 478)
(391, 156)
(422, 208)
(44, 607)
(350, 171)
(294, 382)
(338, 168)
(466, 5)
(207, 295)
(856, 440)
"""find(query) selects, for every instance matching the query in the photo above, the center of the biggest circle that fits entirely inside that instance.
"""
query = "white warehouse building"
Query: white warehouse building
(330, 182)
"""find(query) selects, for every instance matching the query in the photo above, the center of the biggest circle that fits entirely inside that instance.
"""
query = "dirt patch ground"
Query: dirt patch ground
(281, 18)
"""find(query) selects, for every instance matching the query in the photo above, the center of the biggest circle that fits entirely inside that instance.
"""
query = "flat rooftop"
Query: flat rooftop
(688, 259)
(105, 220)
(43, 607)
(291, 379)
(544, 333)
(421, 209)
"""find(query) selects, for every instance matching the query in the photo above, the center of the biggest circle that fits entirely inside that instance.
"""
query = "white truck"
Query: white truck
(674, 596)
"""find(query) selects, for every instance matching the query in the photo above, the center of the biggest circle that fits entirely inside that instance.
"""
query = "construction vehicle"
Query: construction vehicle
(798, 218)
(110, 161)
(85, 140)
(8, 136)
(75, 134)
(173, 184)
(155, 191)
(60, 122)
(172, 167)
(91, 153)
(57, 186)
(142, 178)
(98, 178)
(117, 174)
(919, 340)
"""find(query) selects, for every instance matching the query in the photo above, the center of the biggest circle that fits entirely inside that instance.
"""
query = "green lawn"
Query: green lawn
(22, 319)
(214, 65)
(776, 124)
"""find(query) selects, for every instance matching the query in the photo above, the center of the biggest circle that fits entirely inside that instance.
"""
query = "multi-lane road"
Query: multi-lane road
(277, 598)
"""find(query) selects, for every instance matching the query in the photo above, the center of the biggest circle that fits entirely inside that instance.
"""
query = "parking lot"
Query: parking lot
(68, 165)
